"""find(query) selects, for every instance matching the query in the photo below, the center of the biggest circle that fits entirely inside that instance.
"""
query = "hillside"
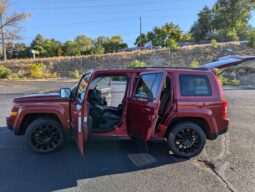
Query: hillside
(161, 57)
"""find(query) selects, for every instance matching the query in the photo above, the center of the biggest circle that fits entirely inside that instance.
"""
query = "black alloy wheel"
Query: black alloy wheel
(45, 135)
(186, 139)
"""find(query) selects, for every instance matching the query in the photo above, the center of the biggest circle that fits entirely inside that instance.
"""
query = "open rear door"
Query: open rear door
(143, 106)
(227, 61)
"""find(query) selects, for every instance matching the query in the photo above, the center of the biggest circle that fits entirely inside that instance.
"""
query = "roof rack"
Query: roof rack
(201, 69)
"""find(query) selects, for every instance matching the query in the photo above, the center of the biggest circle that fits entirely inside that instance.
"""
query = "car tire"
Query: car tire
(45, 135)
(186, 139)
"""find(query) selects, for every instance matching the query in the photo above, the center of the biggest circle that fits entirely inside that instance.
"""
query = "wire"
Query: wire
(103, 22)
(115, 12)
(60, 1)
(102, 6)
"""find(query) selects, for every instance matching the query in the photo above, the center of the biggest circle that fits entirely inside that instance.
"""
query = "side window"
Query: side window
(195, 85)
(148, 85)
(111, 88)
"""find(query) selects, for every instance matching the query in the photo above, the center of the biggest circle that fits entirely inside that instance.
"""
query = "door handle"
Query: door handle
(147, 109)
(202, 105)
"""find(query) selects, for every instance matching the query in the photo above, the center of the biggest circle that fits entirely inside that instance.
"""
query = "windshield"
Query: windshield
(82, 87)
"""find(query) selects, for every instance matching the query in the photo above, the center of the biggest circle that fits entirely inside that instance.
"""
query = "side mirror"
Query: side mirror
(65, 92)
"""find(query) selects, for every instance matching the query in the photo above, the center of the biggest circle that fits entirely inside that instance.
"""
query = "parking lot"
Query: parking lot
(226, 164)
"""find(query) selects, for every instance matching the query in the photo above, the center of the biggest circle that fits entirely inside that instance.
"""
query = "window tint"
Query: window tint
(195, 85)
(148, 85)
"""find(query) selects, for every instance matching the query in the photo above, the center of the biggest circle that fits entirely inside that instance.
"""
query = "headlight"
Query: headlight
(14, 110)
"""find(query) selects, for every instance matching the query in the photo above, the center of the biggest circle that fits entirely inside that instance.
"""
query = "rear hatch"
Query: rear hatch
(222, 63)
(227, 61)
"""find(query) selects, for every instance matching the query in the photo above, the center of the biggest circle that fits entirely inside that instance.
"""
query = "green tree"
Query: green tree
(71, 48)
(251, 38)
(166, 35)
(114, 44)
(98, 49)
(203, 26)
(172, 44)
(22, 51)
(232, 35)
(38, 44)
(18, 50)
(228, 20)
(232, 15)
(52, 48)
(84, 44)
(101, 40)
(141, 40)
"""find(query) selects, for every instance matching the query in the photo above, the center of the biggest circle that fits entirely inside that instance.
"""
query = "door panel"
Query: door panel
(77, 124)
(79, 111)
(143, 106)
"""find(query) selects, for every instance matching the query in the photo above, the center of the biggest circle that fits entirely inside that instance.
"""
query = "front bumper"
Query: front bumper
(9, 123)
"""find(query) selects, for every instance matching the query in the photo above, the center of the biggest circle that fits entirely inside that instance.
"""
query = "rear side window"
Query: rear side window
(195, 85)
(148, 85)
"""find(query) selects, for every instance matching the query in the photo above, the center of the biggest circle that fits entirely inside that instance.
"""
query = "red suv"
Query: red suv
(182, 106)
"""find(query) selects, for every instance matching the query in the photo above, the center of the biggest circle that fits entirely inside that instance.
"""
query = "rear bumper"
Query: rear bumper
(213, 136)
(224, 124)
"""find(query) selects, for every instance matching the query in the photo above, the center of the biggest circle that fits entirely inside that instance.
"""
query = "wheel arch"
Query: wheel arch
(197, 120)
(30, 117)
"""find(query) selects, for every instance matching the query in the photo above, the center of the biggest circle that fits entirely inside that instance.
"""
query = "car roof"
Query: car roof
(151, 69)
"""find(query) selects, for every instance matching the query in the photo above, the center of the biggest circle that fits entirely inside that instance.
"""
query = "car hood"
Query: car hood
(40, 97)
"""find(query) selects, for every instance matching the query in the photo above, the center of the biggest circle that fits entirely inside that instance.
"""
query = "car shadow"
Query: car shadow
(27, 171)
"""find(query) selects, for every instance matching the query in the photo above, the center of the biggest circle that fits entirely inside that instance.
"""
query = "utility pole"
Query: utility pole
(2, 36)
(140, 32)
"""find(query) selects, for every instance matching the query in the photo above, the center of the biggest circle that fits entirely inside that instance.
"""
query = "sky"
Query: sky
(65, 19)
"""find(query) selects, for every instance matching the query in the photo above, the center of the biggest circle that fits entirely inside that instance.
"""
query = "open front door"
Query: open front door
(143, 106)
(79, 112)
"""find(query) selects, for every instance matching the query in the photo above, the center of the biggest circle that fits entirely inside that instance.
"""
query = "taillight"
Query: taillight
(224, 109)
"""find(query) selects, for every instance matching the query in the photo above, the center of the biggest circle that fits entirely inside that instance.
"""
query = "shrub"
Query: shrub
(232, 35)
(223, 80)
(51, 75)
(226, 81)
(235, 82)
(37, 70)
(54, 75)
(173, 44)
(136, 63)
(14, 76)
(75, 74)
(194, 64)
(4, 72)
(252, 38)
(214, 43)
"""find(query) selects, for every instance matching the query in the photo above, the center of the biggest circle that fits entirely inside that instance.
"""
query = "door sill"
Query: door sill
(122, 138)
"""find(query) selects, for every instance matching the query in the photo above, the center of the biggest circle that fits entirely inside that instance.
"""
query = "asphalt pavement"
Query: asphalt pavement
(226, 164)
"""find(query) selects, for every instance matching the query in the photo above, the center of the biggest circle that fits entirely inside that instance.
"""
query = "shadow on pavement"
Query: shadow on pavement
(22, 170)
